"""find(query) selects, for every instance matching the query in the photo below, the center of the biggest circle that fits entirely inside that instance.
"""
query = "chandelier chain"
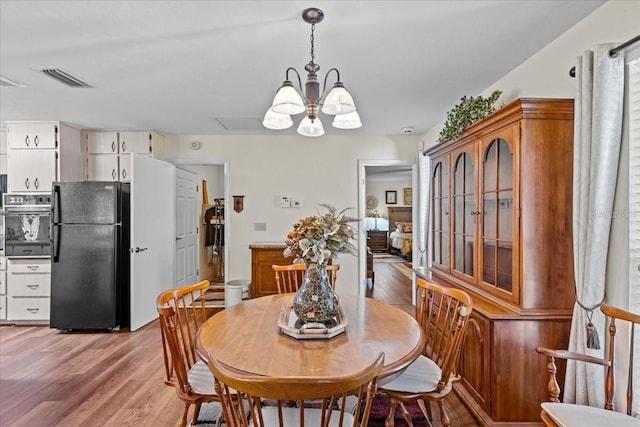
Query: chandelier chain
(313, 27)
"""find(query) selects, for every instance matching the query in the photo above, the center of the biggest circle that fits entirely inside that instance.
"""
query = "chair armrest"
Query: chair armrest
(564, 354)
(553, 387)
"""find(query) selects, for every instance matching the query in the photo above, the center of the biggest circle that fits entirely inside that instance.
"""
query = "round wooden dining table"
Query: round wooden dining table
(246, 337)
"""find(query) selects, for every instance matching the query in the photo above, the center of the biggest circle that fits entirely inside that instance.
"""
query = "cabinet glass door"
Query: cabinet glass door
(497, 225)
(464, 213)
(440, 214)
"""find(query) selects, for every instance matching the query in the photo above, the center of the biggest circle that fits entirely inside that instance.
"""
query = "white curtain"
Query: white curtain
(597, 134)
(424, 178)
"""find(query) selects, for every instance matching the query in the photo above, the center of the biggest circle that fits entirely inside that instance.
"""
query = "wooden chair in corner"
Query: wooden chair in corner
(443, 313)
(289, 277)
(182, 311)
(291, 401)
(332, 273)
(557, 414)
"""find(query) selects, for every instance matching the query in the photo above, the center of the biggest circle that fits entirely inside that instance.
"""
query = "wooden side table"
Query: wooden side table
(377, 241)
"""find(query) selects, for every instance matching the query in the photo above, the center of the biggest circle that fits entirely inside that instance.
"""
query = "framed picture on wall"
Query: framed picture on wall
(391, 197)
(407, 196)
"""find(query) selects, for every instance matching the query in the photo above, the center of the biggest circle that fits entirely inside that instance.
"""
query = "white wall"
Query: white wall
(378, 187)
(314, 171)
(546, 74)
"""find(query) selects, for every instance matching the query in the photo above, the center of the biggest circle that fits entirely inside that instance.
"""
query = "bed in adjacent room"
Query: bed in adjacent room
(401, 230)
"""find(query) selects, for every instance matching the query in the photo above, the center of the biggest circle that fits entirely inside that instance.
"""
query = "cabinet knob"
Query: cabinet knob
(26, 140)
(36, 184)
(124, 146)
(36, 141)
(26, 183)
(33, 310)
(124, 174)
(113, 146)
(113, 173)
(33, 287)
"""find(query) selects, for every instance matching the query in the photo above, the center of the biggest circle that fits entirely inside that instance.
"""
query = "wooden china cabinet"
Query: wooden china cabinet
(501, 230)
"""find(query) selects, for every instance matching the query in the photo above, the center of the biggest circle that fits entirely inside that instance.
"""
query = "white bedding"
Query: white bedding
(401, 241)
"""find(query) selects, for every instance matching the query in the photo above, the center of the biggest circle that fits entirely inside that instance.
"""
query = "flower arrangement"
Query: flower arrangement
(316, 239)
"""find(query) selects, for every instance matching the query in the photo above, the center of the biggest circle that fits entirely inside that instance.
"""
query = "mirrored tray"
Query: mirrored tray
(290, 325)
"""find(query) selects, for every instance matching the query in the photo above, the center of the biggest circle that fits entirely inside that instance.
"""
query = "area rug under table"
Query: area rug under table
(380, 411)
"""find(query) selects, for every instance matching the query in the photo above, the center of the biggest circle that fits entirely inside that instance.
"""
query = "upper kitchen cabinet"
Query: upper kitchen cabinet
(109, 152)
(39, 153)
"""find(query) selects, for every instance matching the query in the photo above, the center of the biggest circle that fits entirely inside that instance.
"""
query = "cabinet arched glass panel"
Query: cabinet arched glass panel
(440, 214)
(464, 214)
(497, 218)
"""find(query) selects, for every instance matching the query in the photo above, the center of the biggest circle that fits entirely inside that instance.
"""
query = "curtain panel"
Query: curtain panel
(597, 135)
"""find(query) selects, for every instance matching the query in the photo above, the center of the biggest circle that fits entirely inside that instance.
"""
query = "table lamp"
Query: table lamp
(375, 214)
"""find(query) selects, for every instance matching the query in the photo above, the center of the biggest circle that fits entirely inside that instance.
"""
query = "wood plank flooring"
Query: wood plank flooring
(49, 378)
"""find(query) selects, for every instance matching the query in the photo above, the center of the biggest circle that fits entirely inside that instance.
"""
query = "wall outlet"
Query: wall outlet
(296, 203)
(260, 226)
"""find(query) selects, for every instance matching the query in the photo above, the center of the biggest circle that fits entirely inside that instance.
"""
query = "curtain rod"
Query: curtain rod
(613, 52)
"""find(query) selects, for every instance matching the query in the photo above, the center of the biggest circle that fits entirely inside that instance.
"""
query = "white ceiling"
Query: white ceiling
(177, 66)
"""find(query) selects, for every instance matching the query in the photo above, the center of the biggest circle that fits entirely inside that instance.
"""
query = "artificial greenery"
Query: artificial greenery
(467, 112)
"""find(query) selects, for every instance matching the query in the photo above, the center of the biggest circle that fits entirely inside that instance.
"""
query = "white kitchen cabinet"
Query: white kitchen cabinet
(31, 170)
(109, 152)
(29, 289)
(101, 142)
(39, 153)
(33, 135)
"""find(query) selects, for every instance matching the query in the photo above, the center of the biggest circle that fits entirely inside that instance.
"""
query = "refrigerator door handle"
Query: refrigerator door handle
(55, 207)
(54, 243)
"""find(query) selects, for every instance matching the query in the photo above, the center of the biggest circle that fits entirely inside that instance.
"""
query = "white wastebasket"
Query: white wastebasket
(236, 291)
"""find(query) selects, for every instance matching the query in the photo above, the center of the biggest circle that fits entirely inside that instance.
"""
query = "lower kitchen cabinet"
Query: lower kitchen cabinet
(28, 289)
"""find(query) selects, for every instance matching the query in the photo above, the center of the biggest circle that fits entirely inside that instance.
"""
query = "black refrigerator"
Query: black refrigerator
(90, 255)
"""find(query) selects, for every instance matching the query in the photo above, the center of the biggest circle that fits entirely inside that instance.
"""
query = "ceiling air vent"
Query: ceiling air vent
(63, 77)
(5, 82)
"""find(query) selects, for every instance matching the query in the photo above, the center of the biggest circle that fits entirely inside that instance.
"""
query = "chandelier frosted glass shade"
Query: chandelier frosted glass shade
(310, 127)
(347, 121)
(276, 121)
(287, 100)
(290, 100)
(338, 101)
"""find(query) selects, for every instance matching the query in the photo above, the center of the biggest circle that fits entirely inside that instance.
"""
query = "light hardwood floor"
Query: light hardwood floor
(49, 378)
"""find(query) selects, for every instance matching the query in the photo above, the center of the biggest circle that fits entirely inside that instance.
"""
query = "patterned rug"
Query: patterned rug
(380, 410)
(387, 258)
(403, 269)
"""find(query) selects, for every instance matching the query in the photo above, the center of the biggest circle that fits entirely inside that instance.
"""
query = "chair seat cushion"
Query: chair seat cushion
(312, 417)
(421, 376)
(571, 415)
(201, 379)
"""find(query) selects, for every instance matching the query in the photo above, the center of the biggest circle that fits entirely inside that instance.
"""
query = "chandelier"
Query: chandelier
(290, 101)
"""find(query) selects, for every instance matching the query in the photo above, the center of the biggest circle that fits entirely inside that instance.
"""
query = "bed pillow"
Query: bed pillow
(404, 227)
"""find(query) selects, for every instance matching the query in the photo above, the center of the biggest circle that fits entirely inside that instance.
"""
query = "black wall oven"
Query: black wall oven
(27, 225)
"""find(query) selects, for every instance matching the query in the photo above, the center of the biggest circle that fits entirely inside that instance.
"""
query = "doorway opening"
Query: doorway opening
(210, 216)
(385, 198)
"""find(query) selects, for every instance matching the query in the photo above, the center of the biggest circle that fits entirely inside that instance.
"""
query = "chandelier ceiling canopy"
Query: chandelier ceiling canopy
(290, 100)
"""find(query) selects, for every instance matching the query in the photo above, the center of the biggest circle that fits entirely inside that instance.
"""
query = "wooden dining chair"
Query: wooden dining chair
(289, 277)
(442, 312)
(557, 414)
(182, 311)
(295, 401)
(332, 273)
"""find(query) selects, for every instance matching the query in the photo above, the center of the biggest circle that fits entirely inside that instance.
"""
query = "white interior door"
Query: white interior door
(186, 228)
(152, 235)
